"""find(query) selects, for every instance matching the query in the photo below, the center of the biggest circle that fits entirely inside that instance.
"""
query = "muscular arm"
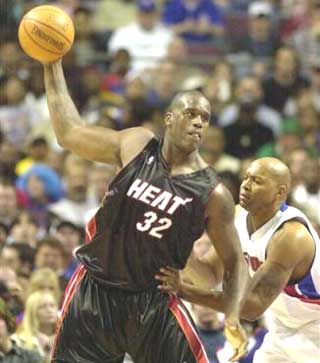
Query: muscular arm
(223, 234)
(90, 142)
(284, 254)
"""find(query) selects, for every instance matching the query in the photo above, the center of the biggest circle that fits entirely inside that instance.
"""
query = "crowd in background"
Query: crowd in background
(258, 62)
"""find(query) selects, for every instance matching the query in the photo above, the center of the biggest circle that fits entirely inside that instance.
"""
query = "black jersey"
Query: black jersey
(147, 220)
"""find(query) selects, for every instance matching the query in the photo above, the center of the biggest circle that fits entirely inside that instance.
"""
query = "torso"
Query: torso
(149, 218)
(300, 299)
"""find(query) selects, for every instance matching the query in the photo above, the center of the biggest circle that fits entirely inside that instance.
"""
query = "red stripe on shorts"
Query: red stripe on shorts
(68, 295)
(184, 320)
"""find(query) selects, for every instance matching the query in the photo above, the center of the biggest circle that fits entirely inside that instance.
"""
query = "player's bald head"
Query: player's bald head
(190, 99)
(274, 169)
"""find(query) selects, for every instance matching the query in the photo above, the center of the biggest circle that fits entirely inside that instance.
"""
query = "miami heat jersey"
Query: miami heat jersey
(298, 304)
(147, 220)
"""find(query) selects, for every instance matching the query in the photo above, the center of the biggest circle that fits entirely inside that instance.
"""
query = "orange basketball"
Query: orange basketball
(46, 33)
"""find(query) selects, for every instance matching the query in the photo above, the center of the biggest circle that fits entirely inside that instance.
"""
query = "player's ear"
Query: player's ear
(282, 192)
(168, 118)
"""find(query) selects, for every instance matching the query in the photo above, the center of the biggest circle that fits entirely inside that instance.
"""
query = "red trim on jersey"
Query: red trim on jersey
(291, 291)
(182, 316)
(91, 229)
(68, 295)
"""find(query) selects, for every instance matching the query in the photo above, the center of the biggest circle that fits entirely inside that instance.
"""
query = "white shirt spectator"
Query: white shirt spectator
(146, 47)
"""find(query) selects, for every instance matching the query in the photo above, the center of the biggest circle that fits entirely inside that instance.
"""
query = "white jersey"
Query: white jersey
(297, 304)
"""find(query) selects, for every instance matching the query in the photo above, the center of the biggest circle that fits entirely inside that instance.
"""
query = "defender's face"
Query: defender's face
(188, 123)
(257, 189)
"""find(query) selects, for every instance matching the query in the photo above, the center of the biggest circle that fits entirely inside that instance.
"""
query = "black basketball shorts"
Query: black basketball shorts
(99, 324)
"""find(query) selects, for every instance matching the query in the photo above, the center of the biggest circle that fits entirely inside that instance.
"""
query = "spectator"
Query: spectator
(75, 204)
(288, 141)
(8, 202)
(10, 351)
(16, 115)
(285, 81)
(49, 253)
(307, 40)
(212, 150)
(249, 89)
(145, 39)
(44, 279)
(71, 237)
(9, 156)
(306, 195)
(24, 229)
(194, 20)
(36, 331)
(261, 40)
(296, 162)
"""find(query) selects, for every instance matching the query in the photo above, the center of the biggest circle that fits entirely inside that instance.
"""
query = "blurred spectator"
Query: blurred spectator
(10, 351)
(261, 40)
(249, 99)
(163, 85)
(145, 39)
(8, 202)
(114, 82)
(86, 42)
(10, 55)
(42, 186)
(212, 150)
(113, 14)
(244, 134)
(9, 257)
(288, 140)
(306, 195)
(296, 162)
(36, 331)
(285, 81)
(44, 279)
(9, 156)
(306, 41)
(4, 232)
(24, 229)
(315, 82)
(37, 151)
(194, 20)
(219, 87)
(210, 330)
(16, 115)
(49, 253)
(71, 237)
(185, 71)
(75, 204)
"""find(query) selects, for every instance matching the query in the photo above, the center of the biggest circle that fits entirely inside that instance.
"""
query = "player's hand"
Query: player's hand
(170, 280)
(237, 338)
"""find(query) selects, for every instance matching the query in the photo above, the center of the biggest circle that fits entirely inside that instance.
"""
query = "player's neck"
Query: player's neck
(175, 157)
(258, 218)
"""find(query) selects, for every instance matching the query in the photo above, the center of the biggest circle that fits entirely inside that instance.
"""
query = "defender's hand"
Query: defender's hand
(236, 336)
(170, 280)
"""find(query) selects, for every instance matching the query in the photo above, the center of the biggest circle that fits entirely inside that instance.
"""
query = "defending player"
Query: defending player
(283, 252)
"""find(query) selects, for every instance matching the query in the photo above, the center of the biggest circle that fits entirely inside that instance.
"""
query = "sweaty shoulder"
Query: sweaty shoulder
(221, 203)
(291, 243)
(133, 140)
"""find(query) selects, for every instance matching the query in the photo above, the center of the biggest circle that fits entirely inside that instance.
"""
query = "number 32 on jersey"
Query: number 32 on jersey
(154, 225)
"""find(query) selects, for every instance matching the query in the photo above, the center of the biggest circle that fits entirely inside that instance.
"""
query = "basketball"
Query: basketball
(46, 33)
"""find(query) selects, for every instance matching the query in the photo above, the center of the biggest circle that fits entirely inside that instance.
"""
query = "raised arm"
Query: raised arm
(90, 142)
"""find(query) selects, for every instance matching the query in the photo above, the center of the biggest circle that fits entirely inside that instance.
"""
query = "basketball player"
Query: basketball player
(283, 253)
(156, 207)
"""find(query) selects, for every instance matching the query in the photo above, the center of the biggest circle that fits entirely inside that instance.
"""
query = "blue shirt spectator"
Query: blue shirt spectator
(194, 20)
